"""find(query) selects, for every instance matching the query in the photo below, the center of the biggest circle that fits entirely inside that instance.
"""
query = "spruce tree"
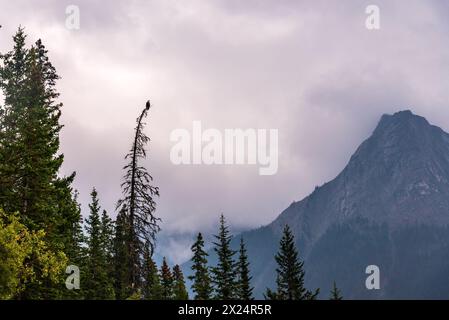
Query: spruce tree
(201, 285)
(30, 138)
(290, 272)
(224, 273)
(151, 289)
(93, 226)
(29, 152)
(166, 281)
(137, 206)
(179, 286)
(120, 259)
(107, 234)
(98, 274)
(335, 293)
(244, 288)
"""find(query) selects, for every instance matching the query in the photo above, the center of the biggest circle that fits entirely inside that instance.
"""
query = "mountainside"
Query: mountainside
(388, 207)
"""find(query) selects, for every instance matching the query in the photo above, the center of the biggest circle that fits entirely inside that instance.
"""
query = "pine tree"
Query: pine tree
(290, 272)
(335, 293)
(201, 285)
(137, 205)
(93, 225)
(107, 234)
(166, 281)
(75, 250)
(120, 259)
(29, 144)
(151, 289)
(224, 274)
(98, 273)
(244, 289)
(179, 286)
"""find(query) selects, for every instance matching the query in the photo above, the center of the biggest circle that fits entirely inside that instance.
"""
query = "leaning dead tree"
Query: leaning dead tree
(137, 205)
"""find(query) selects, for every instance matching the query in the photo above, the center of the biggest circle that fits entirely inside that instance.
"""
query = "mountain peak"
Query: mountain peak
(389, 205)
(405, 119)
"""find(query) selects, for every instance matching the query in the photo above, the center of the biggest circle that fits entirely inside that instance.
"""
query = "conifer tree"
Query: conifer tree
(29, 151)
(224, 273)
(201, 285)
(290, 272)
(107, 234)
(335, 293)
(166, 281)
(244, 289)
(30, 137)
(94, 263)
(120, 259)
(137, 206)
(97, 278)
(179, 286)
(151, 289)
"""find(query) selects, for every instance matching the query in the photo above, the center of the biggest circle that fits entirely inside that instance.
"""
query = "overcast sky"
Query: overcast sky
(310, 69)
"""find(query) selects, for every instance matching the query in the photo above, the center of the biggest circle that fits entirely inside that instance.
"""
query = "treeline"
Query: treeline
(41, 227)
(42, 231)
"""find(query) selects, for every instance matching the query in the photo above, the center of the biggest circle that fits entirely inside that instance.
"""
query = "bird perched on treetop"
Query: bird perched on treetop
(148, 105)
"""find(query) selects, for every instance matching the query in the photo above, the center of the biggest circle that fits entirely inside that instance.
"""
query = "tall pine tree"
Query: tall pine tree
(290, 272)
(120, 258)
(201, 282)
(166, 281)
(179, 286)
(137, 206)
(98, 274)
(151, 289)
(224, 273)
(29, 151)
(244, 288)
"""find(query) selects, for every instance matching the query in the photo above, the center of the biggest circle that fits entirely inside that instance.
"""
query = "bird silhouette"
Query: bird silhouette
(148, 105)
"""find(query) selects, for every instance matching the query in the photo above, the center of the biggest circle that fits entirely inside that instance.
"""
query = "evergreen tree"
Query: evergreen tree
(120, 259)
(335, 293)
(201, 285)
(166, 281)
(244, 289)
(97, 279)
(107, 234)
(29, 158)
(179, 285)
(224, 274)
(290, 272)
(151, 289)
(75, 249)
(25, 258)
(137, 206)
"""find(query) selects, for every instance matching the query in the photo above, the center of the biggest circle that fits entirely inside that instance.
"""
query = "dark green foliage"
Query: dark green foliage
(224, 274)
(98, 284)
(121, 257)
(179, 286)
(335, 293)
(201, 285)
(29, 159)
(152, 289)
(244, 288)
(166, 281)
(290, 272)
